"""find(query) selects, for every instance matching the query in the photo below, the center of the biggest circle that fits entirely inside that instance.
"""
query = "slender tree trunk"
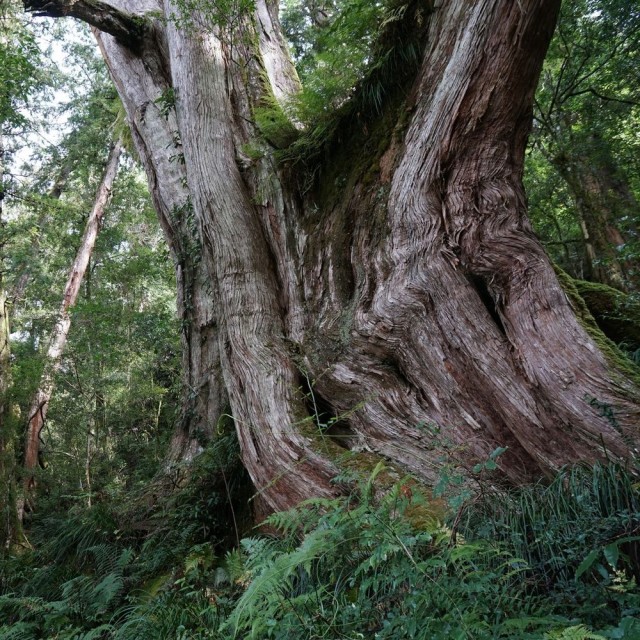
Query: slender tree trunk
(401, 304)
(87, 466)
(40, 403)
(7, 436)
(4, 316)
(10, 527)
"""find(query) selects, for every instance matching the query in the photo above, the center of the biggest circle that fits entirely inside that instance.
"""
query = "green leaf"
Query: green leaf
(587, 563)
(611, 554)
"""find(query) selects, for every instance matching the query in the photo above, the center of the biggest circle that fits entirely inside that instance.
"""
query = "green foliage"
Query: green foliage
(113, 411)
(100, 572)
(578, 632)
(19, 75)
(367, 565)
(117, 390)
(225, 14)
(332, 55)
(579, 537)
(82, 578)
(274, 125)
(167, 101)
(350, 66)
(583, 155)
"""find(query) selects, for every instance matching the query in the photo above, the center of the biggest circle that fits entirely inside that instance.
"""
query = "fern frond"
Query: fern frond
(577, 632)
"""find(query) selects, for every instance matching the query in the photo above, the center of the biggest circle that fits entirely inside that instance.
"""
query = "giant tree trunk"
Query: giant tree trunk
(405, 294)
(40, 402)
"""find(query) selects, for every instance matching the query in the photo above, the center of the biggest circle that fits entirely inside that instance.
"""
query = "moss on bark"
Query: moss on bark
(615, 312)
(585, 295)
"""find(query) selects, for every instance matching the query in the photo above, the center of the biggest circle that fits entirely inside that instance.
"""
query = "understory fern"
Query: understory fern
(372, 565)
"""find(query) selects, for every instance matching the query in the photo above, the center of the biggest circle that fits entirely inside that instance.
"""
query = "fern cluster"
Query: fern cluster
(553, 562)
(579, 537)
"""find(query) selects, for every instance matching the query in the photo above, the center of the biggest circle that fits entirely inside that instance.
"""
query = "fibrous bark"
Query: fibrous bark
(405, 294)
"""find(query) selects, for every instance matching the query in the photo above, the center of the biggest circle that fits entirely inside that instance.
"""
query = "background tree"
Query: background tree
(585, 112)
(40, 404)
(18, 78)
(403, 284)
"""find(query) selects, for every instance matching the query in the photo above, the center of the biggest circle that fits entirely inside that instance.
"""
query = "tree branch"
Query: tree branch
(591, 90)
(127, 28)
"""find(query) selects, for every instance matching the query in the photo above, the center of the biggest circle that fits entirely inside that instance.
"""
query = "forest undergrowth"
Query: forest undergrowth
(559, 559)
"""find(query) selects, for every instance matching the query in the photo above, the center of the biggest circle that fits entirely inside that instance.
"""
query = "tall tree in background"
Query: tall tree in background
(18, 76)
(6, 468)
(57, 341)
(107, 422)
(586, 108)
(386, 277)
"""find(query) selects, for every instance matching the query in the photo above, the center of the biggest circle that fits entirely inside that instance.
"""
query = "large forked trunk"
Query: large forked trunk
(405, 293)
(41, 398)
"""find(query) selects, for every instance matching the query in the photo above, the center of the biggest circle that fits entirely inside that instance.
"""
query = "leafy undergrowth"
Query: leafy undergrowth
(549, 561)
